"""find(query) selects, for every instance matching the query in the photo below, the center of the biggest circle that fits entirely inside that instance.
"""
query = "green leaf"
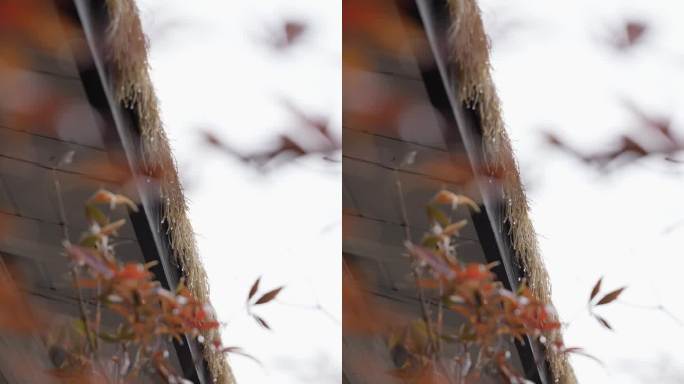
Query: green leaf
(450, 338)
(108, 337)
(393, 340)
(94, 214)
(79, 326)
(89, 241)
(419, 334)
(120, 336)
(434, 214)
(430, 241)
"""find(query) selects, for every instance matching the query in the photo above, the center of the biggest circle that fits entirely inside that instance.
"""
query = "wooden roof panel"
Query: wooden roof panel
(49, 105)
(393, 153)
(31, 188)
(47, 151)
(392, 106)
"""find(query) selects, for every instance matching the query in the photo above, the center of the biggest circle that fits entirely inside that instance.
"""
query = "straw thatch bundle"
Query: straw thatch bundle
(470, 54)
(127, 49)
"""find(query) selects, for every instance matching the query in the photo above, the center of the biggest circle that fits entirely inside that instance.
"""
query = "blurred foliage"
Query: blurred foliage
(142, 317)
(491, 319)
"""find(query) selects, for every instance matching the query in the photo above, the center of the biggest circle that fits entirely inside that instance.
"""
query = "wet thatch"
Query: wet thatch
(127, 49)
(470, 55)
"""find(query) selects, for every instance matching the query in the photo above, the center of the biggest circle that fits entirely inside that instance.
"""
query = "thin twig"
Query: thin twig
(60, 205)
(83, 312)
(440, 316)
(74, 270)
(658, 307)
(98, 312)
(315, 307)
(421, 293)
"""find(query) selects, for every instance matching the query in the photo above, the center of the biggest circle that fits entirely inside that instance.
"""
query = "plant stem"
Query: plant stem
(74, 270)
(421, 293)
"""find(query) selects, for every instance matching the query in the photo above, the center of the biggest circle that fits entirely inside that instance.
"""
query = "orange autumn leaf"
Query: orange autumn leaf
(106, 197)
(450, 198)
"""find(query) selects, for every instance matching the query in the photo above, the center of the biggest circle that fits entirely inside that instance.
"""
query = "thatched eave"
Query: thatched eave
(469, 50)
(127, 59)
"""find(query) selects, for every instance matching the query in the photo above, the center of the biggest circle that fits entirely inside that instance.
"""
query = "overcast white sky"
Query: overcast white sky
(212, 71)
(552, 71)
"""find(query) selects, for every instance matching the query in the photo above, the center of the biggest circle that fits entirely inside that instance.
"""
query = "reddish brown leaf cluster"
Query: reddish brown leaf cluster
(658, 140)
(149, 314)
(605, 299)
(263, 299)
(290, 146)
(492, 317)
(146, 316)
(628, 35)
(288, 34)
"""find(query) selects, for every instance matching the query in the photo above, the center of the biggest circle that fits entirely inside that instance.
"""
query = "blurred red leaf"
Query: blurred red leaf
(634, 30)
(434, 261)
(83, 256)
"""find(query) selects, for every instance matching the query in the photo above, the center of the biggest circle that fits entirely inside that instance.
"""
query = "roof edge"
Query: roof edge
(470, 52)
(127, 48)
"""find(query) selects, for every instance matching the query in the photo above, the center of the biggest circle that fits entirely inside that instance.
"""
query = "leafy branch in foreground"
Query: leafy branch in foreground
(127, 320)
(491, 317)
